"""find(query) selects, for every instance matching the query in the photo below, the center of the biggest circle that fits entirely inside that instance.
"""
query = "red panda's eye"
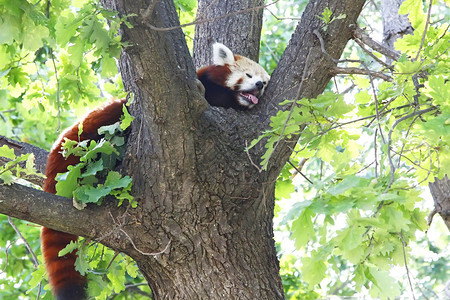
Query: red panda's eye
(248, 75)
(264, 82)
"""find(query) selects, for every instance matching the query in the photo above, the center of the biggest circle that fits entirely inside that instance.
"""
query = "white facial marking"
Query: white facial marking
(240, 70)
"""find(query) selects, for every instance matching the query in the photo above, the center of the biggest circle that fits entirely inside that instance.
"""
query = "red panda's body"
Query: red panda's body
(232, 81)
(66, 282)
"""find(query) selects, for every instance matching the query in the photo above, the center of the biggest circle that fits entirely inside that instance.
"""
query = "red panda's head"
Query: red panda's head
(232, 80)
(245, 77)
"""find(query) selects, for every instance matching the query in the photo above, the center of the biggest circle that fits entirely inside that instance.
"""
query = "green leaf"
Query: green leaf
(7, 152)
(76, 51)
(9, 29)
(395, 218)
(93, 168)
(132, 268)
(37, 276)
(109, 129)
(65, 28)
(114, 180)
(344, 185)
(34, 36)
(283, 189)
(387, 286)
(117, 277)
(313, 270)
(109, 66)
(127, 119)
(72, 246)
(102, 146)
(436, 88)
(67, 182)
(81, 263)
(302, 229)
(414, 10)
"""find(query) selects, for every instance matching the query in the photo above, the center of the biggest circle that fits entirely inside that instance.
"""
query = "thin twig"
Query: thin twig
(251, 160)
(58, 103)
(431, 215)
(361, 45)
(376, 152)
(406, 265)
(364, 37)
(300, 172)
(348, 89)
(424, 31)
(35, 260)
(119, 226)
(272, 53)
(303, 79)
(322, 46)
(6, 254)
(350, 70)
(283, 18)
(391, 163)
(112, 260)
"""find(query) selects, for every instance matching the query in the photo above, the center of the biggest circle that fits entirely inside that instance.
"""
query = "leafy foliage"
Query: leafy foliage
(97, 160)
(53, 63)
(369, 153)
(327, 19)
(14, 168)
(51, 59)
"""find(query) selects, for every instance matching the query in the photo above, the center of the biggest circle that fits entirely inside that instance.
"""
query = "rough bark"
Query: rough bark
(440, 190)
(46, 209)
(394, 27)
(235, 23)
(203, 226)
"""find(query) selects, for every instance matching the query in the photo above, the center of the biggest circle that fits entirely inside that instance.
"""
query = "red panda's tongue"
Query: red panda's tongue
(250, 97)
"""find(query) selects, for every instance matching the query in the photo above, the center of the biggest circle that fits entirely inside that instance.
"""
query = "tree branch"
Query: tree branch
(340, 70)
(440, 190)
(53, 211)
(20, 148)
(363, 37)
(24, 148)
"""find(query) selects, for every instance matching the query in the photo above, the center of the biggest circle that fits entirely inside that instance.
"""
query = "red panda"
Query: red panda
(232, 81)
(66, 282)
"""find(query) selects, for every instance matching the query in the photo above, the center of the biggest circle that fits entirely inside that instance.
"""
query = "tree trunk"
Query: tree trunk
(237, 24)
(394, 25)
(203, 227)
(440, 190)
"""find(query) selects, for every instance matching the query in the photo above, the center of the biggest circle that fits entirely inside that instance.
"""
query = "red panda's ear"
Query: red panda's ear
(222, 55)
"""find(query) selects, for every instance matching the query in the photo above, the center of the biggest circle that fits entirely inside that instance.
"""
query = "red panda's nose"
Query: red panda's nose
(259, 85)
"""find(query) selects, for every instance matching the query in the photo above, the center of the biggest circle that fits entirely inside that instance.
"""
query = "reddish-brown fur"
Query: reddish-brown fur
(66, 282)
(217, 74)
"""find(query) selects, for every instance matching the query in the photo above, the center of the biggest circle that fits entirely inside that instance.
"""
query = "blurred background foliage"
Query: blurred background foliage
(346, 234)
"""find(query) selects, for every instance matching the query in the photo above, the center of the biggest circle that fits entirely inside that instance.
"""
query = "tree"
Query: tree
(203, 224)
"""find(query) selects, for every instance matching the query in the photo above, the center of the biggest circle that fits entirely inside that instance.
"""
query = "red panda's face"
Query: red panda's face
(246, 78)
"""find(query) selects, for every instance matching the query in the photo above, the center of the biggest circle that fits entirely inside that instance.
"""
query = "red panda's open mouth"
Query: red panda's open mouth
(250, 96)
